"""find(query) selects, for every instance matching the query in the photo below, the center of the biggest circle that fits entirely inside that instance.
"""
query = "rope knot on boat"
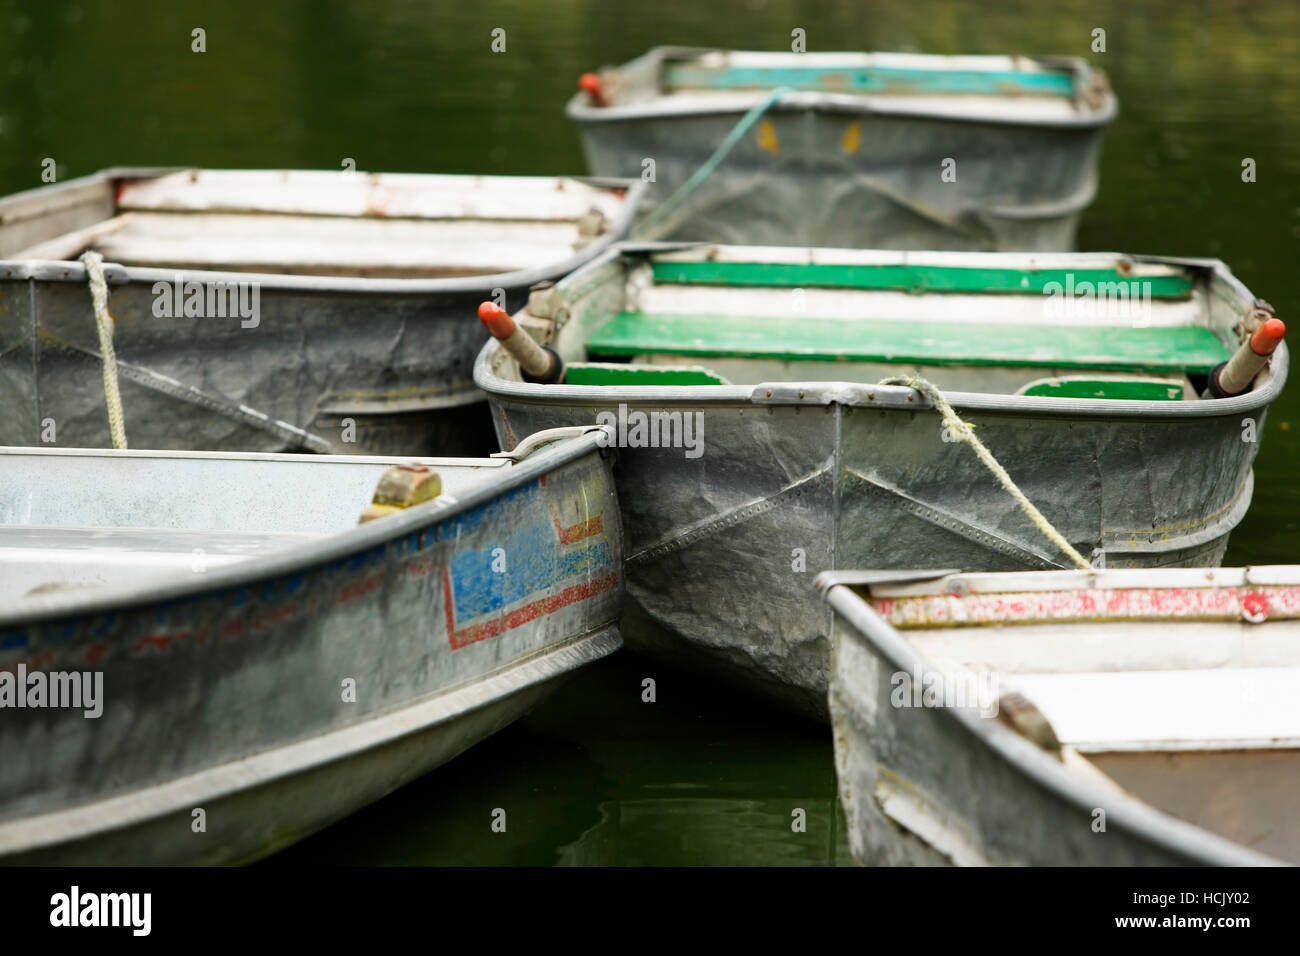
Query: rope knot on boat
(963, 431)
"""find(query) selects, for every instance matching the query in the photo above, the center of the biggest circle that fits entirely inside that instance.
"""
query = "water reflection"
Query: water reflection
(668, 831)
(598, 776)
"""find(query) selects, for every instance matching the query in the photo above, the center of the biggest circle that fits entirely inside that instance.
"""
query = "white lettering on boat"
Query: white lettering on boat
(1128, 300)
(958, 689)
(56, 689)
(658, 429)
(213, 299)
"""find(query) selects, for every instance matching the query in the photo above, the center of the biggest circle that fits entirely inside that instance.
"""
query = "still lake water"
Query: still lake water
(701, 776)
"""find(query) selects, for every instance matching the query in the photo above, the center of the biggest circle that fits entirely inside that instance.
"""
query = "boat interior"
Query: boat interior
(319, 223)
(88, 518)
(968, 323)
(1200, 720)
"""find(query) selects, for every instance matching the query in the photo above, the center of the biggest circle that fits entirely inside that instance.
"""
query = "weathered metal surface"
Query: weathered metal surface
(997, 164)
(1190, 600)
(1129, 776)
(351, 350)
(231, 601)
(795, 476)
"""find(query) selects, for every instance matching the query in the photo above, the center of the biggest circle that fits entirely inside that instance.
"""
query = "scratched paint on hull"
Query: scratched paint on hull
(552, 562)
(1250, 603)
(511, 579)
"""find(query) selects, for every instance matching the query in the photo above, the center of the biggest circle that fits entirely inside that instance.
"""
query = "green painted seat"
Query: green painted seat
(612, 373)
(1128, 388)
(1119, 286)
(1181, 349)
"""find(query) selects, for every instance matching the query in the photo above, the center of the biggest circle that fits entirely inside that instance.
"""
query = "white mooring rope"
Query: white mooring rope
(94, 264)
(962, 431)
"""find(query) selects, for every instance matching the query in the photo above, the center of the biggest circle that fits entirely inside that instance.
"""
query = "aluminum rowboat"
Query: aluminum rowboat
(1068, 718)
(790, 460)
(883, 150)
(277, 310)
(231, 603)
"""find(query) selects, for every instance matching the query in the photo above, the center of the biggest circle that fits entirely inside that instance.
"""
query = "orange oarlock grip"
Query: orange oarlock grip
(1234, 377)
(537, 363)
(590, 84)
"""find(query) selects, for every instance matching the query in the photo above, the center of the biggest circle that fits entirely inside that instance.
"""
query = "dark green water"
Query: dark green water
(701, 776)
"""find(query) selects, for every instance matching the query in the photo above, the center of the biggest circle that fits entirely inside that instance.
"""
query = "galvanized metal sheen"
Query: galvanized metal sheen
(841, 167)
(824, 475)
(223, 685)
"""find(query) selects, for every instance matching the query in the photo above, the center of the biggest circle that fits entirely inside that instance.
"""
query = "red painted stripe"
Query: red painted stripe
(577, 532)
(1253, 603)
(359, 589)
(161, 642)
(511, 440)
(520, 616)
(580, 531)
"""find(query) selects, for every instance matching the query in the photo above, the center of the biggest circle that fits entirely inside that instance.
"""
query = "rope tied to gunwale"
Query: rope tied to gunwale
(963, 431)
(94, 264)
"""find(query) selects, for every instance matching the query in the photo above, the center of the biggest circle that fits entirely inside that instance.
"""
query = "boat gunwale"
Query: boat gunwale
(1144, 821)
(564, 450)
(899, 397)
(58, 270)
(580, 111)
(901, 585)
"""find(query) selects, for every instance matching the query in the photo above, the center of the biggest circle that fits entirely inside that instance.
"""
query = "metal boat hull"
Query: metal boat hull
(339, 362)
(797, 477)
(280, 692)
(722, 549)
(248, 821)
(934, 784)
(837, 170)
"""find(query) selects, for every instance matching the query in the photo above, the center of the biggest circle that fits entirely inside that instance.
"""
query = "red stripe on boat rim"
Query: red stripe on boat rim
(1249, 603)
